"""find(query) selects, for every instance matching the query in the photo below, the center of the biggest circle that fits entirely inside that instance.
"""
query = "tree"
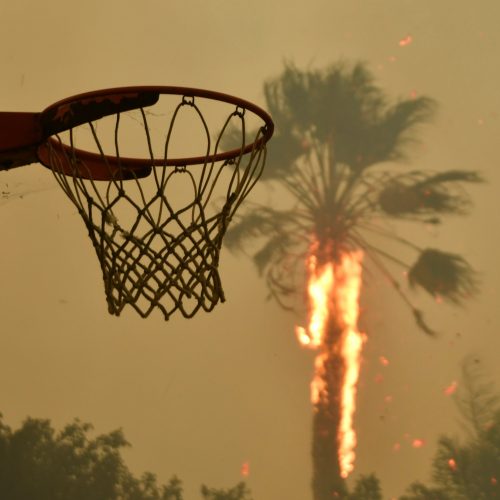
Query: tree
(334, 158)
(418, 491)
(36, 463)
(366, 488)
(239, 492)
(470, 470)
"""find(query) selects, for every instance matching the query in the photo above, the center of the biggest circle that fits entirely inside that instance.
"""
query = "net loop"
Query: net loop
(188, 100)
(239, 111)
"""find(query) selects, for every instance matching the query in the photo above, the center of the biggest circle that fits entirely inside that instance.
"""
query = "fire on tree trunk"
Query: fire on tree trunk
(333, 294)
(327, 482)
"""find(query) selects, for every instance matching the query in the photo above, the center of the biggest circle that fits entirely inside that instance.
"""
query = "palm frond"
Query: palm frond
(244, 228)
(416, 193)
(283, 151)
(288, 99)
(383, 134)
(273, 250)
(422, 324)
(286, 148)
(374, 255)
(444, 275)
(397, 128)
(256, 223)
(341, 105)
(452, 176)
(283, 276)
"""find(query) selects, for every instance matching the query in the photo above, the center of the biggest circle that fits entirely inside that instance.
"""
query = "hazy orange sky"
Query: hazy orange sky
(199, 397)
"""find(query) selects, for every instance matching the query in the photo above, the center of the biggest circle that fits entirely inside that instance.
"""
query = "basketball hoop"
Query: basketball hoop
(156, 219)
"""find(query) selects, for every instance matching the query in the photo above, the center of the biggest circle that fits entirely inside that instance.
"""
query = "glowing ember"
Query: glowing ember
(245, 469)
(418, 443)
(405, 41)
(333, 294)
(452, 464)
(383, 360)
(451, 389)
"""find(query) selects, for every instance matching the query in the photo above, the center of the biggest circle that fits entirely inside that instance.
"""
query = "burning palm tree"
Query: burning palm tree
(335, 154)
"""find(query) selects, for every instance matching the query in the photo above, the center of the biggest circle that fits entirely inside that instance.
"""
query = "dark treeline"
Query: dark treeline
(39, 463)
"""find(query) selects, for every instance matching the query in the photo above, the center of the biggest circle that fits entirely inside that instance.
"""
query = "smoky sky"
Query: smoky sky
(198, 398)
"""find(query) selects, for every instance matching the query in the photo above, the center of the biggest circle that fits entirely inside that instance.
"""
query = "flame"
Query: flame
(333, 289)
(319, 290)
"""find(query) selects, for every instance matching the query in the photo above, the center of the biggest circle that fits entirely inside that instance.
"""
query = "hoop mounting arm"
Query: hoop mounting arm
(20, 136)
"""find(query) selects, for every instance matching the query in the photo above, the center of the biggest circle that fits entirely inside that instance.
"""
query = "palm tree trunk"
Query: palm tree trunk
(327, 483)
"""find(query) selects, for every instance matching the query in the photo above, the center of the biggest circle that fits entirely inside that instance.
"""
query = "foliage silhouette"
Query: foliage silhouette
(418, 491)
(470, 470)
(38, 463)
(366, 488)
(239, 492)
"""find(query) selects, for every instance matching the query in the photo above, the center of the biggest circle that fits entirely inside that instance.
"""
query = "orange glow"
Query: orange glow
(451, 389)
(245, 469)
(452, 464)
(383, 360)
(405, 41)
(333, 291)
(418, 443)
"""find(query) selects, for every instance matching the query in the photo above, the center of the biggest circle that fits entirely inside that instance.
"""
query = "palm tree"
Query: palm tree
(337, 145)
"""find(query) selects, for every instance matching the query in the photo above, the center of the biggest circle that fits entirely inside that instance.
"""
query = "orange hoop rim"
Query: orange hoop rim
(62, 116)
